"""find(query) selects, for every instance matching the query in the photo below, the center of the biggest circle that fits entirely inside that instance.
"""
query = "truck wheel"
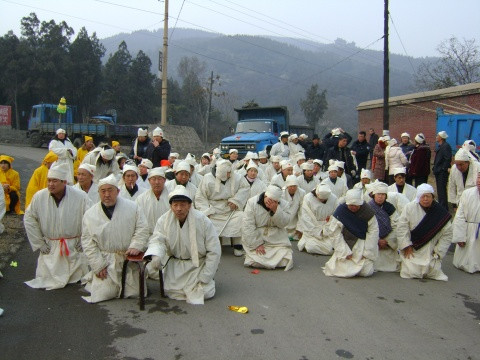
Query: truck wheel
(36, 140)
(77, 142)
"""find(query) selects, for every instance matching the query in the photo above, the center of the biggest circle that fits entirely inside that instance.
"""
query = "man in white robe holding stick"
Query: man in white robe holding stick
(189, 242)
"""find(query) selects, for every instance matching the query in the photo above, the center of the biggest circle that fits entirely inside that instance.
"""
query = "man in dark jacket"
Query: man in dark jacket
(372, 141)
(341, 152)
(361, 149)
(316, 150)
(441, 164)
(139, 146)
(158, 149)
(420, 161)
(331, 139)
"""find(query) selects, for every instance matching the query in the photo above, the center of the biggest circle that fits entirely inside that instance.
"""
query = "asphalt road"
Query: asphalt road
(299, 314)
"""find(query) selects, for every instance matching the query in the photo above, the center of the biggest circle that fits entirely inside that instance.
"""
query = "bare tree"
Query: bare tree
(459, 64)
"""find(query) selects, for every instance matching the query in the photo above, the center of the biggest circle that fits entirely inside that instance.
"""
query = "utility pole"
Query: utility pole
(209, 107)
(386, 70)
(163, 120)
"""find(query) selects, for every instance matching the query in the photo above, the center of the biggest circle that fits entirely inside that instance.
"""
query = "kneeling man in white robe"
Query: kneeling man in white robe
(112, 229)
(354, 232)
(53, 223)
(317, 208)
(424, 233)
(264, 237)
(189, 242)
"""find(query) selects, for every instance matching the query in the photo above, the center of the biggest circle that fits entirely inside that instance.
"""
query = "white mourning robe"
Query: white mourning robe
(455, 181)
(92, 192)
(278, 180)
(294, 203)
(126, 195)
(398, 200)
(297, 170)
(294, 149)
(255, 188)
(388, 259)
(422, 264)
(281, 150)
(196, 179)
(313, 224)
(203, 169)
(466, 229)
(260, 173)
(193, 251)
(270, 172)
(339, 189)
(362, 187)
(307, 186)
(213, 197)
(364, 252)
(61, 149)
(409, 191)
(145, 184)
(102, 170)
(61, 228)
(191, 189)
(260, 227)
(105, 242)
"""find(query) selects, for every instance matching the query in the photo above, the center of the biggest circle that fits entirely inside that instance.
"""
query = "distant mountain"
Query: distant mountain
(278, 71)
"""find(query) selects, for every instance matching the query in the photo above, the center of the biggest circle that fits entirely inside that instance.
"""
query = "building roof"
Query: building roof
(455, 91)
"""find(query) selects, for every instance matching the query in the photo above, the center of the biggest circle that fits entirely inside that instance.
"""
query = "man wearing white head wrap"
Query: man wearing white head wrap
(204, 167)
(354, 232)
(280, 178)
(471, 147)
(264, 237)
(299, 160)
(263, 161)
(307, 181)
(182, 177)
(337, 185)
(293, 196)
(400, 186)
(195, 177)
(466, 233)
(189, 241)
(318, 205)
(85, 182)
(143, 168)
(424, 233)
(129, 189)
(463, 175)
(387, 217)
(273, 168)
(222, 196)
(140, 146)
(66, 152)
(256, 185)
(103, 158)
(53, 223)
(281, 148)
(365, 179)
(112, 229)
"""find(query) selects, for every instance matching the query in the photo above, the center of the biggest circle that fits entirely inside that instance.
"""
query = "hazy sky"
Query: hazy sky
(421, 24)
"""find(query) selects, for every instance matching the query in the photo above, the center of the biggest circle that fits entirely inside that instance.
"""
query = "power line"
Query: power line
(178, 16)
(401, 42)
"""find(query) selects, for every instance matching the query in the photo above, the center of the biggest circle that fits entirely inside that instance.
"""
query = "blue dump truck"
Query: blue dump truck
(258, 128)
(45, 120)
(459, 127)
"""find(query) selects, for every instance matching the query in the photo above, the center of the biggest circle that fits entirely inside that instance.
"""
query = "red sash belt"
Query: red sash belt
(63, 244)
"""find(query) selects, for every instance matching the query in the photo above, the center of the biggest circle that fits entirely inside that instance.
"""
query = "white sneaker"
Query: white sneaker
(237, 252)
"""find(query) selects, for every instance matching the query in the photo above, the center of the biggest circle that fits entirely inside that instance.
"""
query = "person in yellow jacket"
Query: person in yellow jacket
(38, 181)
(82, 151)
(10, 180)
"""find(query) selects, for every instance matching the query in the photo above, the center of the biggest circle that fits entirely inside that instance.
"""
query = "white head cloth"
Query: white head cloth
(443, 134)
(109, 180)
(401, 170)
(174, 154)
(275, 158)
(420, 138)
(60, 131)
(274, 192)
(469, 145)
(379, 188)
(158, 132)
(128, 167)
(340, 164)
(462, 155)
(300, 156)
(223, 167)
(262, 154)
(365, 174)
(142, 132)
(107, 153)
(307, 166)
(147, 163)
(422, 190)
(318, 161)
(233, 151)
(183, 166)
(323, 191)
(158, 171)
(354, 197)
(291, 180)
(405, 134)
(88, 167)
(58, 171)
(332, 168)
(286, 164)
(252, 165)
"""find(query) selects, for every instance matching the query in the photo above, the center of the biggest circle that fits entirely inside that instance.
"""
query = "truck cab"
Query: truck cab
(459, 127)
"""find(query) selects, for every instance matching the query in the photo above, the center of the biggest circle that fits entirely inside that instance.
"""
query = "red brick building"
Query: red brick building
(414, 113)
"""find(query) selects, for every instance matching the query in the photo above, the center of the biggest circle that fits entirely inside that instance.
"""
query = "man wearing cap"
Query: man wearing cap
(316, 150)
(317, 169)
(64, 149)
(103, 158)
(387, 217)
(361, 149)
(255, 185)
(173, 157)
(130, 189)
(264, 236)
(38, 181)
(293, 196)
(53, 223)
(263, 160)
(82, 151)
(463, 175)
(420, 161)
(307, 182)
(400, 186)
(112, 229)
(221, 197)
(337, 185)
(280, 178)
(299, 160)
(158, 149)
(143, 169)
(441, 167)
(182, 177)
(342, 174)
(233, 157)
(10, 181)
(85, 182)
(281, 148)
(140, 146)
(353, 230)
(317, 208)
(365, 179)
(466, 230)
(189, 242)
(406, 145)
(195, 178)
(273, 168)
(424, 233)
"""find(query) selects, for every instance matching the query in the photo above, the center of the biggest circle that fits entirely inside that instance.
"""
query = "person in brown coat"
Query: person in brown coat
(420, 161)
(378, 162)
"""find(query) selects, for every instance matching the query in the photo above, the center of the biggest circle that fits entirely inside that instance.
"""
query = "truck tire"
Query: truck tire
(77, 142)
(36, 140)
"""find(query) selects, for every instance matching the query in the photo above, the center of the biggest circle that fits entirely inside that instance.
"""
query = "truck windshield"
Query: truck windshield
(254, 126)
